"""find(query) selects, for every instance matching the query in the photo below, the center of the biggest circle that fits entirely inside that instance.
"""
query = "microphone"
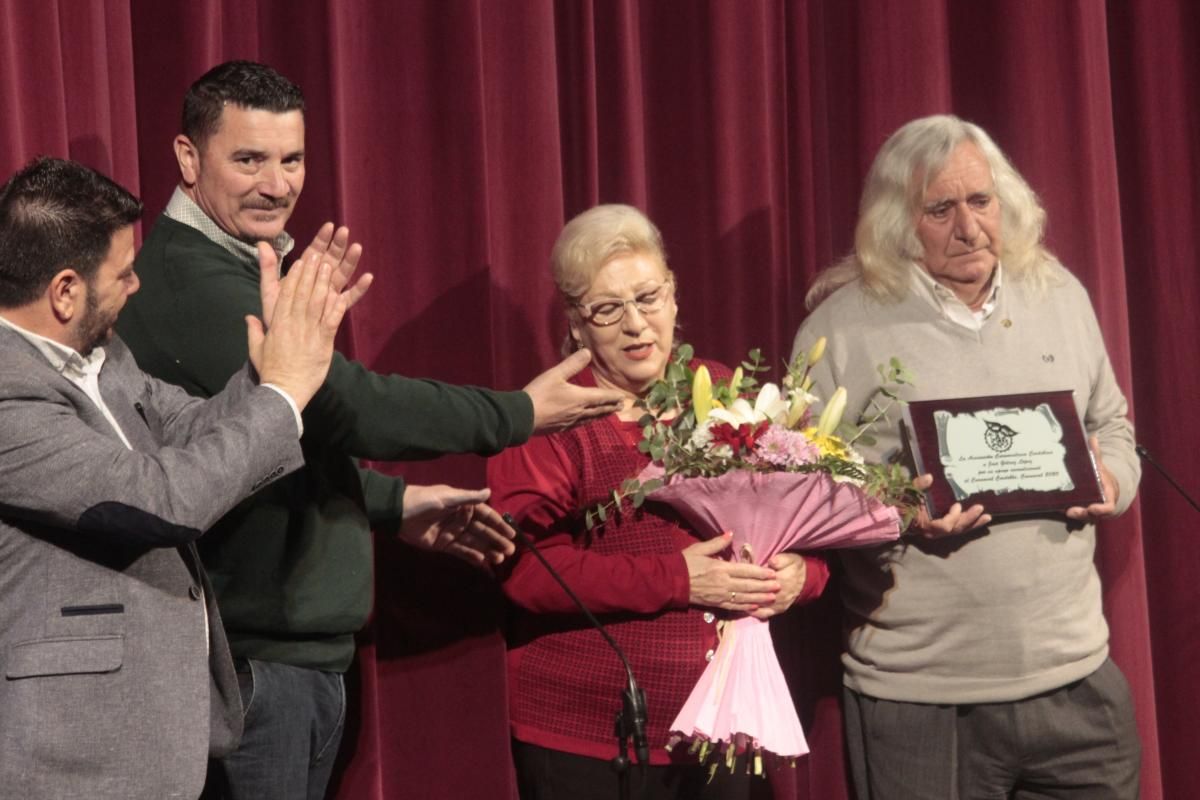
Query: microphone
(1144, 454)
(632, 717)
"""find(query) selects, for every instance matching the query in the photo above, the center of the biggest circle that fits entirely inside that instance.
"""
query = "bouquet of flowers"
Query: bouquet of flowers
(737, 456)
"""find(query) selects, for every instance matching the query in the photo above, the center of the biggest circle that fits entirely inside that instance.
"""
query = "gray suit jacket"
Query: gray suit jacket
(111, 687)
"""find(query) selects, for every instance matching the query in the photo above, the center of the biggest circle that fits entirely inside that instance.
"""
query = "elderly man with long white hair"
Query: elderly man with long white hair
(976, 655)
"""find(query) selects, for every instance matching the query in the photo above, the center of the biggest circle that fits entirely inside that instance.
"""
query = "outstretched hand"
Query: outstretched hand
(456, 521)
(559, 404)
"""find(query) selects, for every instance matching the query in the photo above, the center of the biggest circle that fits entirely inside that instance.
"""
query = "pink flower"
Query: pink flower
(784, 448)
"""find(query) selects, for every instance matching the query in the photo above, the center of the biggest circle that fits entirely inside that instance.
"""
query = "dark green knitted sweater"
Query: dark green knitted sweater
(292, 564)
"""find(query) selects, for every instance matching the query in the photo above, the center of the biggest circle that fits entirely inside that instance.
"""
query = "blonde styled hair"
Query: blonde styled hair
(885, 238)
(597, 236)
(591, 240)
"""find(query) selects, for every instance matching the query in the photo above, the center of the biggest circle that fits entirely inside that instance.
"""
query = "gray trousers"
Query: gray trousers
(1075, 743)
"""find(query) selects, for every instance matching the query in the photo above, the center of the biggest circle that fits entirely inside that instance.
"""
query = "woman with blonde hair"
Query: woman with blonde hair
(659, 589)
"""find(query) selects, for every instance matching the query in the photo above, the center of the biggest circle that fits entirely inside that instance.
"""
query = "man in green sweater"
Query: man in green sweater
(976, 659)
(291, 566)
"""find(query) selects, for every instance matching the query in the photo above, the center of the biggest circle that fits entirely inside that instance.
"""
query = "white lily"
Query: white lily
(769, 405)
(737, 414)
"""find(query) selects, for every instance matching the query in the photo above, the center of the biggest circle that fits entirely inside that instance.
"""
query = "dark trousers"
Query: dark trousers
(544, 774)
(1075, 743)
(294, 719)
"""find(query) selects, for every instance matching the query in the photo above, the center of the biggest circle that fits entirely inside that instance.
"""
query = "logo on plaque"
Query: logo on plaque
(998, 436)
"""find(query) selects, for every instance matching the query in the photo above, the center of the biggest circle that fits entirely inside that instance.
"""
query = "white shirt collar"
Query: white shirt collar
(948, 303)
(82, 371)
(66, 360)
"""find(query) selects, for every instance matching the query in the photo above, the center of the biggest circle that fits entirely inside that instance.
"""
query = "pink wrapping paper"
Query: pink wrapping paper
(777, 511)
(742, 691)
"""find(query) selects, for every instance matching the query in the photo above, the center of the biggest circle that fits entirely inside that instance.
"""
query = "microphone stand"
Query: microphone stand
(1144, 454)
(631, 718)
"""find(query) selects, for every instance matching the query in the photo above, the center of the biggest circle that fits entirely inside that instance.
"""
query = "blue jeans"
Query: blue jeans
(294, 718)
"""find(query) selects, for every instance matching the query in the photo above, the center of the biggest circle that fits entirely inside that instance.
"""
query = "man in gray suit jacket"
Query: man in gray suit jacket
(117, 681)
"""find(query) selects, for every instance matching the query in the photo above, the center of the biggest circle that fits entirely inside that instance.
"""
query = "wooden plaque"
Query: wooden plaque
(1014, 454)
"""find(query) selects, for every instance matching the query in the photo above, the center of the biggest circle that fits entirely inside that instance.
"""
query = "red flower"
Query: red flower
(740, 439)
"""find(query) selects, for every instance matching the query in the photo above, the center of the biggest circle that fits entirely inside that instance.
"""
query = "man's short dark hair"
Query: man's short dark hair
(246, 84)
(56, 214)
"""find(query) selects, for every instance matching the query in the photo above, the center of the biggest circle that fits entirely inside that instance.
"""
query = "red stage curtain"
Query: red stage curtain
(456, 136)
(67, 85)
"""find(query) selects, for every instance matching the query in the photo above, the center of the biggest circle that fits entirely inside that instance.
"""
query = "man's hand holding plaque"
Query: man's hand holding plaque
(1112, 493)
(957, 520)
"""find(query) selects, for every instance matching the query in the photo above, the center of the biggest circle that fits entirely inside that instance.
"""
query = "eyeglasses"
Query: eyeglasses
(609, 311)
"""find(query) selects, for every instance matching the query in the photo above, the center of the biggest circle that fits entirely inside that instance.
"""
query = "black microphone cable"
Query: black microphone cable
(1144, 454)
(633, 699)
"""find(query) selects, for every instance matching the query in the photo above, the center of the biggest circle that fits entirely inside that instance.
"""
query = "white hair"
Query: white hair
(885, 238)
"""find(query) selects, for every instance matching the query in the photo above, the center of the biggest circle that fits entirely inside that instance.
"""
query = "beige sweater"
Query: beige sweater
(1012, 610)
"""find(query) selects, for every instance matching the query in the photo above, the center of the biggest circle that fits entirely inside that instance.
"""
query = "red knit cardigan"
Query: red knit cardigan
(564, 681)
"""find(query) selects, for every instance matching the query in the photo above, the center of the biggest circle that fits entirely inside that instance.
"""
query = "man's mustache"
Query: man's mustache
(267, 204)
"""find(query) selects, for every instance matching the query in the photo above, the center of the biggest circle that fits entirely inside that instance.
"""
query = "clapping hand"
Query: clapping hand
(328, 246)
(294, 351)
